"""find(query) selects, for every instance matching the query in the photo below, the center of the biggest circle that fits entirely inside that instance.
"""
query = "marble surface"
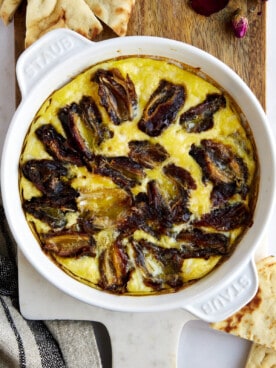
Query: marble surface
(136, 339)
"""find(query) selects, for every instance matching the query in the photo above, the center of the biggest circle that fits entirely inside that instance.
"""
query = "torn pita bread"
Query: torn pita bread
(45, 15)
(114, 13)
(8, 8)
(260, 356)
(257, 320)
(82, 16)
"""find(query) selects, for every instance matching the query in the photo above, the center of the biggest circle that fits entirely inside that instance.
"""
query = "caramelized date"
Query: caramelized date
(69, 244)
(93, 120)
(101, 166)
(218, 163)
(117, 94)
(178, 206)
(169, 261)
(78, 133)
(222, 192)
(227, 217)
(160, 218)
(83, 126)
(162, 108)
(85, 224)
(58, 196)
(153, 213)
(200, 118)
(127, 167)
(114, 270)
(50, 210)
(38, 171)
(57, 146)
(222, 167)
(124, 172)
(149, 213)
(183, 182)
(46, 176)
(146, 153)
(170, 258)
(137, 217)
(180, 175)
(198, 243)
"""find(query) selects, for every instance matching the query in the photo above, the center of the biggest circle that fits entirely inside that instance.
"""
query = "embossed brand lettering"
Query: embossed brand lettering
(48, 56)
(226, 296)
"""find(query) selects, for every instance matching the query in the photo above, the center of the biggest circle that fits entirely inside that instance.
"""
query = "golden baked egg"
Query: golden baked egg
(139, 176)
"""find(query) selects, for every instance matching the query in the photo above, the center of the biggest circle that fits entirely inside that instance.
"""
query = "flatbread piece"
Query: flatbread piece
(82, 16)
(7, 9)
(43, 16)
(257, 320)
(261, 357)
(114, 13)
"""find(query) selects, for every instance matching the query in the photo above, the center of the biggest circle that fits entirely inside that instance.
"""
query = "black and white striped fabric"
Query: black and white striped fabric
(37, 344)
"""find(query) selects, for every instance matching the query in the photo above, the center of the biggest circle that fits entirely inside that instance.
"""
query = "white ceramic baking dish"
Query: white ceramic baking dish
(54, 60)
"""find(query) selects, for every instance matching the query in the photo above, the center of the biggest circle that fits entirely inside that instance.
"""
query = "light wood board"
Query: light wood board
(175, 19)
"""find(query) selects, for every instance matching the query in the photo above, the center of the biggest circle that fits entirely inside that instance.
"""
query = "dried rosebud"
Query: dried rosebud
(239, 24)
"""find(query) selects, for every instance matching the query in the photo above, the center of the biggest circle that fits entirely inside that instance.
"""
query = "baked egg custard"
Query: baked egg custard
(139, 176)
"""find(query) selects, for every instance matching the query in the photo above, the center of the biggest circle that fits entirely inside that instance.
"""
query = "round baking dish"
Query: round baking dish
(53, 61)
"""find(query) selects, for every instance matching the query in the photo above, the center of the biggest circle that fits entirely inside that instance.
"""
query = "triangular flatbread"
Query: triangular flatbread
(114, 13)
(7, 9)
(261, 357)
(43, 16)
(257, 320)
(82, 16)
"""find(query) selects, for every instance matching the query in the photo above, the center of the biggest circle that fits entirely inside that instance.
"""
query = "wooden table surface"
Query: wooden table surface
(175, 19)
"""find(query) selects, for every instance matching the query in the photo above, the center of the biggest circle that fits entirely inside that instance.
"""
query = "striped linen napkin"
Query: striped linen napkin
(37, 344)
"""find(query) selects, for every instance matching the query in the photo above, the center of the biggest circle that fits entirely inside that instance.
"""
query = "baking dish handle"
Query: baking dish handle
(50, 50)
(217, 305)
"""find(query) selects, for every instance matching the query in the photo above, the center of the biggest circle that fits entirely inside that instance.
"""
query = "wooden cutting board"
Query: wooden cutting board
(175, 19)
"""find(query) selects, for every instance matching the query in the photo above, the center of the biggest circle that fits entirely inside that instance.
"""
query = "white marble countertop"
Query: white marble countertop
(167, 321)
